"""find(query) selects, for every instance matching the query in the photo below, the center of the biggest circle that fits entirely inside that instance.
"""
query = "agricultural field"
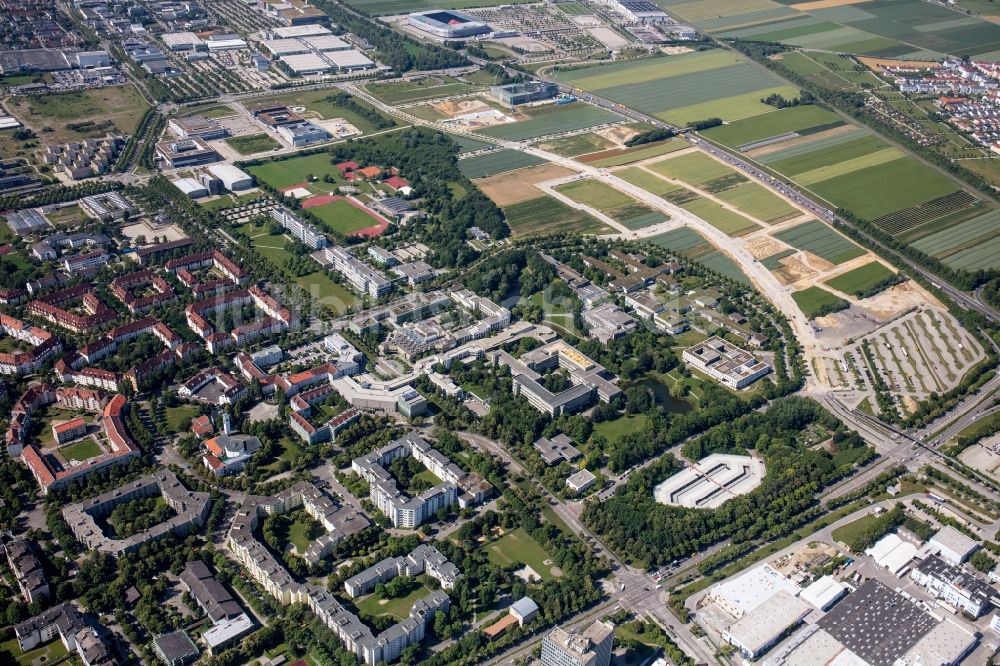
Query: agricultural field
(497, 161)
(689, 243)
(428, 87)
(577, 144)
(833, 71)
(519, 185)
(840, 165)
(682, 88)
(613, 203)
(551, 119)
(888, 28)
(79, 115)
(819, 239)
(319, 104)
(721, 218)
(252, 143)
(814, 301)
(545, 215)
(620, 157)
(860, 279)
(386, 7)
(758, 202)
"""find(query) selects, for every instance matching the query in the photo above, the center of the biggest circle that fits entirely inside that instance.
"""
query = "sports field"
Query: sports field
(496, 161)
(819, 239)
(552, 119)
(682, 88)
(860, 279)
(343, 217)
(813, 301)
(546, 215)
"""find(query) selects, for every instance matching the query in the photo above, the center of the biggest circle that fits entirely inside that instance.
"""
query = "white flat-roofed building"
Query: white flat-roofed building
(892, 553)
(953, 584)
(581, 481)
(287, 32)
(746, 592)
(711, 481)
(233, 178)
(725, 362)
(190, 187)
(302, 133)
(350, 61)
(953, 546)
(762, 627)
(285, 47)
(824, 592)
(326, 43)
(307, 63)
(223, 634)
(226, 44)
(182, 41)
(948, 643)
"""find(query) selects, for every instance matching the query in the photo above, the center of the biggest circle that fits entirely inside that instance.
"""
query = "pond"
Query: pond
(661, 391)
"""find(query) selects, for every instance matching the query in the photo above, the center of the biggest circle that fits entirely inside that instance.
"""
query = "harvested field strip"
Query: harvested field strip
(805, 146)
(819, 157)
(497, 161)
(821, 240)
(613, 158)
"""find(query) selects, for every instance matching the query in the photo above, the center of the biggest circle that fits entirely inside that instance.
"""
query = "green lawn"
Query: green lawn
(303, 531)
(430, 87)
(52, 652)
(624, 425)
(318, 102)
(399, 608)
(861, 278)
(179, 418)
(518, 547)
(595, 194)
(849, 532)
(82, 450)
(252, 143)
(280, 174)
(814, 300)
(121, 106)
(343, 217)
(286, 450)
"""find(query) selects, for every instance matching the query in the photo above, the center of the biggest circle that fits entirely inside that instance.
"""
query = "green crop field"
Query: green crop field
(693, 168)
(343, 217)
(82, 450)
(970, 245)
(814, 300)
(252, 143)
(755, 200)
(283, 173)
(812, 155)
(816, 237)
(429, 87)
(577, 144)
(496, 161)
(647, 181)
(552, 119)
(613, 203)
(722, 219)
(682, 88)
(518, 548)
(546, 215)
(573, 9)
(684, 241)
(861, 278)
(776, 123)
(723, 265)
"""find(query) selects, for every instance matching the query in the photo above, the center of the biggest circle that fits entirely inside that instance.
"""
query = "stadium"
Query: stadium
(448, 24)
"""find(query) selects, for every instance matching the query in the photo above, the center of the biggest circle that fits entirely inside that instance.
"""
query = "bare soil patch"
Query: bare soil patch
(761, 248)
(506, 189)
(825, 4)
